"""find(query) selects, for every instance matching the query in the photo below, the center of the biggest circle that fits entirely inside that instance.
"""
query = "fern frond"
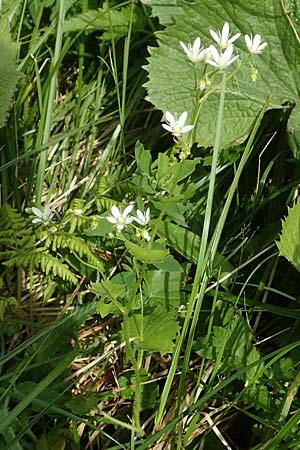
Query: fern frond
(7, 302)
(76, 245)
(40, 259)
(105, 204)
(50, 264)
(11, 219)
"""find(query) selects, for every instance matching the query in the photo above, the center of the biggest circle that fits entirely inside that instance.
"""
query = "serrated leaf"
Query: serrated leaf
(109, 292)
(278, 66)
(108, 289)
(159, 330)
(289, 243)
(143, 159)
(166, 12)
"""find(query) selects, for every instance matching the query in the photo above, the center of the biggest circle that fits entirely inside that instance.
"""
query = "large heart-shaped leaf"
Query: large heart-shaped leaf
(171, 82)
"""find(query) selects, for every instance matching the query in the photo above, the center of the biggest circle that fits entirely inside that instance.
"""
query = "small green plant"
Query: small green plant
(143, 302)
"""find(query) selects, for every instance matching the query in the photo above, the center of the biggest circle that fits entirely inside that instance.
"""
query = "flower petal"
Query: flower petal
(196, 45)
(187, 128)
(185, 48)
(111, 219)
(182, 119)
(127, 210)
(214, 53)
(47, 209)
(115, 211)
(225, 32)
(214, 36)
(170, 118)
(167, 127)
(234, 38)
(248, 40)
(228, 52)
(256, 40)
(37, 212)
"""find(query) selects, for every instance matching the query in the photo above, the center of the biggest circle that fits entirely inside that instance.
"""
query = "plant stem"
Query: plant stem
(50, 102)
(288, 399)
(201, 264)
(211, 251)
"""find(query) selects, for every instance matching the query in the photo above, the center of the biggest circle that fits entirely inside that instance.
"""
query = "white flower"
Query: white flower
(223, 39)
(177, 127)
(221, 60)
(43, 216)
(142, 218)
(194, 52)
(254, 44)
(120, 219)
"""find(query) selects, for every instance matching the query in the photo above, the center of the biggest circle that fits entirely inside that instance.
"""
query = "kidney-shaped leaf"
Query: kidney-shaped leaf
(171, 81)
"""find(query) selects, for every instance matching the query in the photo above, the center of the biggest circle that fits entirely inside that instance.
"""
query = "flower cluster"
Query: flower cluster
(221, 56)
(123, 218)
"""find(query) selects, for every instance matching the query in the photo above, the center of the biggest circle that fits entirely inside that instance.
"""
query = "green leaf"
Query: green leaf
(166, 11)
(8, 72)
(164, 288)
(108, 289)
(169, 264)
(111, 20)
(146, 254)
(239, 350)
(289, 243)
(278, 66)
(150, 391)
(100, 227)
(109, 292)
(187, 244)
(143, 159)
(159, 330)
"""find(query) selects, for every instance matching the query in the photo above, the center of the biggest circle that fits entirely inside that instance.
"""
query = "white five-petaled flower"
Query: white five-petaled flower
(255, 44)
(120, 219)
(142, 218)
(176, 126)
(223, 38)
(194, 52)
(42, 216)
(221, 60)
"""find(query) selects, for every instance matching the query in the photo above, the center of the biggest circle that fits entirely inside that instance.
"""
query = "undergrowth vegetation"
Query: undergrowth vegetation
(149, 225)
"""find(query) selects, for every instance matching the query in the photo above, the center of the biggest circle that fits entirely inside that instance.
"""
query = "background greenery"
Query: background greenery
(79, 132)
